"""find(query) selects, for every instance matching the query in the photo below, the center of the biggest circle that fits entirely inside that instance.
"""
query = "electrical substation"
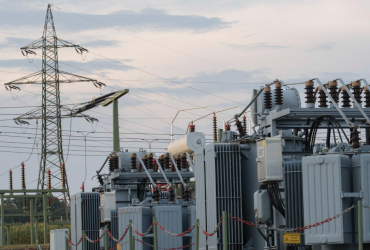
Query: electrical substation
(263, 182)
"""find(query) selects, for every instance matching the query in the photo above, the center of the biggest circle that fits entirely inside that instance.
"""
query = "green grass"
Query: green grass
(21, 235)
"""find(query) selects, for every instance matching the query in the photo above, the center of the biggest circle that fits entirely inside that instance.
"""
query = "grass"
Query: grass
(21, 235)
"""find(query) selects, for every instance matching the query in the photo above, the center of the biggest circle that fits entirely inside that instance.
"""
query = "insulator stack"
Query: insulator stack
(167, 165)
(24, 185)
(367, 97)
(268, 102)
(100, 179)
(63, 176)
(113, 162)
(322, 98)
(310, 96)
(245, 124)
(184, 162)
(10, 180)
(155, 164)
(333, 90)
(345, 98)
(150, 164)
(214, 129)
(227, 127)
(161, 161)
(178, 162)
(173, 167)
(172, 195)
(140, 168)
(156, 194)
(356, 86)
(187, 194)
(133, 161)
(278, 93)
(49, 186)
(192, 128)
(355, 138)
(240, 128)
(145, 161)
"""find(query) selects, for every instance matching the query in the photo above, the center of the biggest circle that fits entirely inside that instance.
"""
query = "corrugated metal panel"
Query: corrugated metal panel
(324, 179)
(200, 194)
(86, 216)
(170, 217)
(192, 216)
(114, 228)
(223, 192)
(141, 218)
(293, 197)
(361, 176)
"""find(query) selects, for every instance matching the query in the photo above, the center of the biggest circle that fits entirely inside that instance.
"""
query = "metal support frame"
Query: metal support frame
(177, 170)
(160, 167)
(147, 173)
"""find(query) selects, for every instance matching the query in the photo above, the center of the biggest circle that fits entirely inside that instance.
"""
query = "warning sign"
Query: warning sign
(292, 238)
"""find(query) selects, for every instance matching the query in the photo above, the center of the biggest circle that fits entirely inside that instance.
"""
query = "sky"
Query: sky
(171, 55)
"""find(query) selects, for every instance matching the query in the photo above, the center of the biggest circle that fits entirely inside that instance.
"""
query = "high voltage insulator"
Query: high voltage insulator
(355, 138)
(167, 165)
(156, 194)
(333, 90)
(278, 93)
(10, 180)
(178, 162)
(133, 161)
(150, 161)
(23, 177)
(184, 162)
(356, 86)
(161, 161)
(367, 97)
(186, 194)
(172, 195)
(267, 94)
(322, 98)
(310, 97)
(113, 162)
(245, 124)
(240, 128)
(63, 176)
(49, 186)
(100, 179)
(345, 98)
(192, 128)
(214, 128)
(145, 161)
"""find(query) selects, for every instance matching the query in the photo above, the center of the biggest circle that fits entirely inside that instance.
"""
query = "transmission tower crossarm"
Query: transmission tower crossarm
(38, 44)
(33, 78)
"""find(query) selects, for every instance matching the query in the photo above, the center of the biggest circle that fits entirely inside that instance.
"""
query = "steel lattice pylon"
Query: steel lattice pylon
(50, 111)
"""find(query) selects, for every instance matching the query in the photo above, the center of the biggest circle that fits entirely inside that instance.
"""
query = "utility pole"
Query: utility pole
(114, 100)
(50, 111)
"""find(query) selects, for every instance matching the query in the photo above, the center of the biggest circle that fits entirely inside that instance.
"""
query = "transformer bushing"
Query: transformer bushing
(240, 128)
(245, 124)
(172, 195)
(184, 162)
(310, 96)
(322, 98)
(278, 95)
(100, 179)
(367, 97)
(192, 128)
(161, 161)
(178, 162)
(214, 129)
(145, 161)
(227, 127)
(356, 86)
(167, 166)
(113, 162)
(150, 164)
(345, 98)
(186, 194)
(333, 91)
(267, 101)
(355, 138)
(133, 159)
(156, 194)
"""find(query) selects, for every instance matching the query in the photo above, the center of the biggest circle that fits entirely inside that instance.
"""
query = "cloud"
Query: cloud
(254, 46)
(323, 47)
(146, 19)
(15, 42)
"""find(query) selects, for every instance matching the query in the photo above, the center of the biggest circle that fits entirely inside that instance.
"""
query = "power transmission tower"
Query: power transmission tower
(51, 110)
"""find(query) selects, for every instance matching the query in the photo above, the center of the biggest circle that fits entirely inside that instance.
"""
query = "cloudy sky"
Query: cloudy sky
(172, 55)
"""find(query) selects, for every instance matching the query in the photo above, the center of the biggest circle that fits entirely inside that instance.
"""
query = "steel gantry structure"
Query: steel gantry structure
(50, 112)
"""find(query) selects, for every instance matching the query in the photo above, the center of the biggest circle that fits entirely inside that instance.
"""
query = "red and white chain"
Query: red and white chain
(176, 235)
(72, 242)
(214, 231)
(171, 248)
(141, 234)
(94, 241)
(298, 229)
(123, 236)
